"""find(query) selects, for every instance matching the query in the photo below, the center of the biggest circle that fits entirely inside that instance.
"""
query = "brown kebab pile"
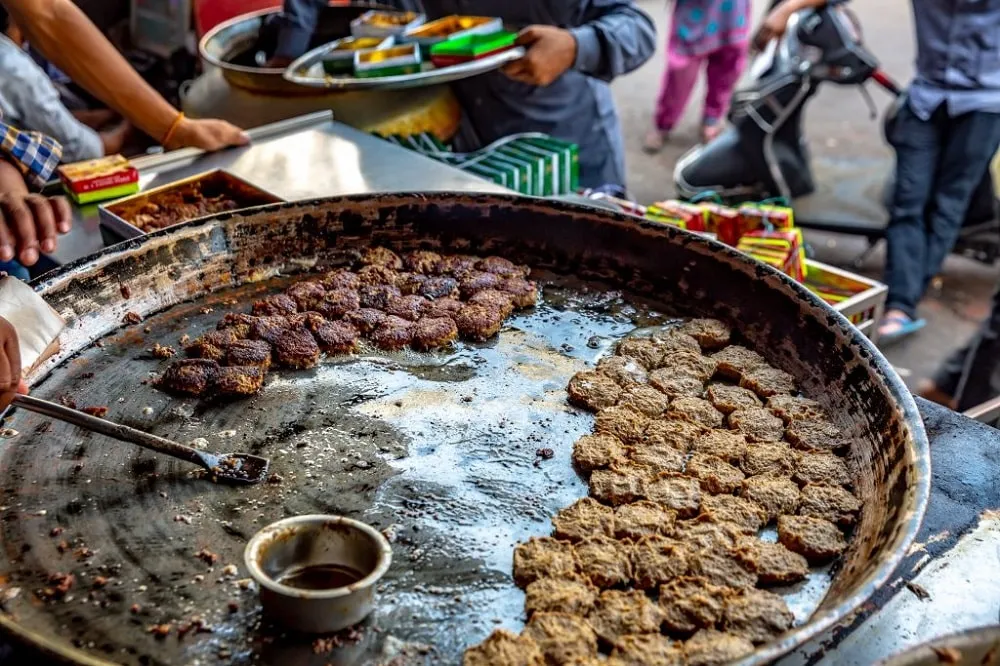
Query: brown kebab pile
(699, 444)
(422, 300)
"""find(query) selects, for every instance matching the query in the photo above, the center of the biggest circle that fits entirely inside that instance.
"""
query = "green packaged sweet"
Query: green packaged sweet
(550, 180)
(483, 171)
(534, 164)
(519, 179)
(568, 162)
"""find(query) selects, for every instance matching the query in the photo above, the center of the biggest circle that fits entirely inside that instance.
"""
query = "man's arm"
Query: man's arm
(776, 22)
(64, 34)
(298, 22)
(615, 38)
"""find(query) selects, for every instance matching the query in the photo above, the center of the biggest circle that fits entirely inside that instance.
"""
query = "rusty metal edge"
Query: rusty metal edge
(824, 619)
(982, 642)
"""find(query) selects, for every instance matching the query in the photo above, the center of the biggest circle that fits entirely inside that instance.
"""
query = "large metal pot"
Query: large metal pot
(232, 46)
(121, 502)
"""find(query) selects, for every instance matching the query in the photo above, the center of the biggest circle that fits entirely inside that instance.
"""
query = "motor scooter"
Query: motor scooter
(762, 153)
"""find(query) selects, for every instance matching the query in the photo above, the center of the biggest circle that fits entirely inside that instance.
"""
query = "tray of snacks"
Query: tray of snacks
(208, 193)
(423, 54)
(377, 23)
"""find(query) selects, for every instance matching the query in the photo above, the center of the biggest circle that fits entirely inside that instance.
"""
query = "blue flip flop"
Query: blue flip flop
(907, 327)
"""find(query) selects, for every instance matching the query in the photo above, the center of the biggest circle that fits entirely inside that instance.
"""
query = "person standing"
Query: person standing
(709, 34)
(945, 133)
(560, 87)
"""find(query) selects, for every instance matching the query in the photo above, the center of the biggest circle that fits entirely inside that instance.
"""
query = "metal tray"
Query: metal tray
(114, 217)
(975, 647)
(438, 449)
(308, 71)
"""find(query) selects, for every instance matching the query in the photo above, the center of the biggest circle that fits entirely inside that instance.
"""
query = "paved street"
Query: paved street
(850, 161)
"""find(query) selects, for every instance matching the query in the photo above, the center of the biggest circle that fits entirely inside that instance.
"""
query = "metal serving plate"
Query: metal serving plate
(439, 450)
(308, 71)
(976, 647)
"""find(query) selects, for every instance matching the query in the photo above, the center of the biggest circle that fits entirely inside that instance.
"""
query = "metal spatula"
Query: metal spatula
(231, 467)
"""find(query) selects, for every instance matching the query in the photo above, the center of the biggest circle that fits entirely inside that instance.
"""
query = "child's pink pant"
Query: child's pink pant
(722, 69)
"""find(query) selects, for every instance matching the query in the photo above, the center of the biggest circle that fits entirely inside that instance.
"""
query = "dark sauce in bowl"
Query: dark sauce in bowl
(320, 577)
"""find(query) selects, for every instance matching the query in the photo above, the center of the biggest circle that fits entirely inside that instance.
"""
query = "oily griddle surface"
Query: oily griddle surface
(438, 449)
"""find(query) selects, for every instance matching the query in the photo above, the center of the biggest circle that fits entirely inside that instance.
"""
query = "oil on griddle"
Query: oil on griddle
(457, 454)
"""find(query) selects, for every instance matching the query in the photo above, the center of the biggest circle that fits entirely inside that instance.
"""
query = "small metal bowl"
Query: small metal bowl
(317, 573)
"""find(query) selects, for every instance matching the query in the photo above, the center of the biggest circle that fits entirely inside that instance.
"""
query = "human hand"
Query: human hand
(11, 381)
(29, 223)
(207, 134)
(773, 27)
(551, 51)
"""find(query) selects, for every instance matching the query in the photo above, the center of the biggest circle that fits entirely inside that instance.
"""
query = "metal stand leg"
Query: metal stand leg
(859, 261)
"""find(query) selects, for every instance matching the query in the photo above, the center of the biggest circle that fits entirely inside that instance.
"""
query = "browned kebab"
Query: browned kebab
(423, 299)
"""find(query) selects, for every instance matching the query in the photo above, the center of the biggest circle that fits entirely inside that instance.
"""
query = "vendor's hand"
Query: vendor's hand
(10, 364)
(207, 134)
(551, 51)
(773, 27)
(29, 223)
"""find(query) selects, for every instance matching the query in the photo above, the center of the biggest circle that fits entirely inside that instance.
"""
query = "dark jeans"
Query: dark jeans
(969, 375)
(939, 164)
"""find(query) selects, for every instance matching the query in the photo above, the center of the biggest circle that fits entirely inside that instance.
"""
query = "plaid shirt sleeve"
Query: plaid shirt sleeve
(34, 153)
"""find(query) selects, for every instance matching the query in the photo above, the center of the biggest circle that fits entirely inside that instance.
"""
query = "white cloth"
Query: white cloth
(31, 102)
(38, 326)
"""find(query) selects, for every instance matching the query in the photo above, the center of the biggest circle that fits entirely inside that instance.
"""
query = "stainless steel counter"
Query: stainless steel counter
(300, 158)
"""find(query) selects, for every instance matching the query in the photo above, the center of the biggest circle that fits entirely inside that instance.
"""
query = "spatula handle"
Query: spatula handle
(109, 428)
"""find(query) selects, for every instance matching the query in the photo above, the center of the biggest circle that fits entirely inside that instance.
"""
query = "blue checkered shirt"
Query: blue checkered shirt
(34, 153)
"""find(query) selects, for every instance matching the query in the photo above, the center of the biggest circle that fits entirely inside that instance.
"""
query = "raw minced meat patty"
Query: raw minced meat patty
(757, 424)
(296, 348)
(646, 650)
(680, 493)
(794, 408)
(690, 364)
(494, 299)
(504, 648)
(658, 458)
(817, 540)
(728, 398)
(715, 648)
(674, 433)
(541, 557)
(502, 266)
(376, 295)
(395, 333)
(624, 423)
(645, 400)
(829, 502)
(643, 518)
(657, 560)
(560, 595)
(772, 562)
(815, 436)
(623, 369)
(341, 279)
(697, 411)
(407, 307)
(715, 475)
(604, 562)
(756, 615)
(438, 288)
(238, 381)
(592, 452)
(376, 275)
(277, 304)
(593, 390)
(444, 307)
(733, 361)
(336, 337)
(621, 484)
(306, 294)
(741, 512)
(767, 382)
(561, 637)
(721, 567)
(704, 532)
(249, 352)
(710, 333)
(457, 265)
(583, 519)
(690, 603)
(776, 494)
(643, 350)
(673, 385)
(269, 328)
(621, 613)
(822, 468)
(365, 320)
(410, 283)
(726, 444)
(770, 458)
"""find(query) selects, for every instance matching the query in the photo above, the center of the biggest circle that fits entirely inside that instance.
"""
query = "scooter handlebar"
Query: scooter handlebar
(884, 80)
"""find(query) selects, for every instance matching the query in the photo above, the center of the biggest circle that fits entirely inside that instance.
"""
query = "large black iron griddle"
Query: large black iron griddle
(439, 450)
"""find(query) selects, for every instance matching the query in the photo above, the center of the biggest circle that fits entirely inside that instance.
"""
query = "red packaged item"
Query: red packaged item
(722, 221)
(692, 216)
(104, 173)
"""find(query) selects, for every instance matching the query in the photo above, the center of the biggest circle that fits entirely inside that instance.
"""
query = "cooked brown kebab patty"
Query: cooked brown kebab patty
(691, 457)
